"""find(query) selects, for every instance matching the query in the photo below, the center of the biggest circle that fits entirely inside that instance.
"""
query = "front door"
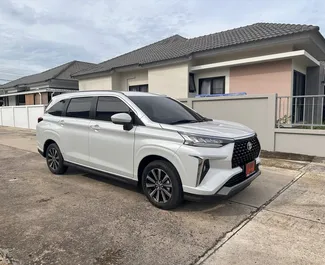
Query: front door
(110, 146)
(75, 131)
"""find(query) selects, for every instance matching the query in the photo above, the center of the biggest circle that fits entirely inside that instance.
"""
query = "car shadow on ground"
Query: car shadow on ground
(216, 205)
(107, 180)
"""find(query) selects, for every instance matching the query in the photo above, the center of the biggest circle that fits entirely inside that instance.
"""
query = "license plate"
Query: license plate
(250, 168)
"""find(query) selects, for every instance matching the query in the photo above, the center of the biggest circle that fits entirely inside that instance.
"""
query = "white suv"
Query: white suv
(153, 140)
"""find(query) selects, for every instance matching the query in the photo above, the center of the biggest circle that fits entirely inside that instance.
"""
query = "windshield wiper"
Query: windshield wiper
(206, 119)
(183, 121)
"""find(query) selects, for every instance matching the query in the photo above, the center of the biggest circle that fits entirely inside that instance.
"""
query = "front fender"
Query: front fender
(157, 150)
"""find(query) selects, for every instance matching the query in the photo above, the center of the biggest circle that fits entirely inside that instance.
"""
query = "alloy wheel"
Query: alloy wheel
(53, 159)
(159, 185)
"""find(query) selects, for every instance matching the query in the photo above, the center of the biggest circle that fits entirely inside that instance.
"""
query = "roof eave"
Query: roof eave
(133, 67)
(26, 84)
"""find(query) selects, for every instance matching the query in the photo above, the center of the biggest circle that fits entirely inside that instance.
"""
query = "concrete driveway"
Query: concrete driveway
(79, 218)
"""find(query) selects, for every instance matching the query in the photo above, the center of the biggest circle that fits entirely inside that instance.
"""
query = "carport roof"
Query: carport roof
(63, 71)
(179, 47)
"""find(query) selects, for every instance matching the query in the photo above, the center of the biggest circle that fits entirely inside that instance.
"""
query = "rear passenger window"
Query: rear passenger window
(79, 108)
(108, 106)
(57, 108)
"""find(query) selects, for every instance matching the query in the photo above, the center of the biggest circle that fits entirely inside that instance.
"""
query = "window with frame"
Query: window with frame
(57, 108)
(191, 84)
(20, 100)
(214, 85)
(140, 88)
(108, 106)
(79, 107)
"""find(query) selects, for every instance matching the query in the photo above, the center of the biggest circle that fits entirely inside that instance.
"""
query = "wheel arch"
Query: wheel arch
(47, 144)
(147, 157)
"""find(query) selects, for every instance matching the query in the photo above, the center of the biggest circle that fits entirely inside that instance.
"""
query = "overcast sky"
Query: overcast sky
(39, 34)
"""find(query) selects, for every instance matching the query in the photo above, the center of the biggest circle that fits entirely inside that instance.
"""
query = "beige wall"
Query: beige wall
(298, 141)
(116, 84)
(133, 79)
(96, 83)
(171, 80)
(256, 112)
(262, 78)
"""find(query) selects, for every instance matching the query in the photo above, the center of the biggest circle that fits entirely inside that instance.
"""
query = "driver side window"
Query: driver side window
(108, 106)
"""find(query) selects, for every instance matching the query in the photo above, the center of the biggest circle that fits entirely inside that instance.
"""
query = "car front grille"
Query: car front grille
(243, 154)
(239, 177)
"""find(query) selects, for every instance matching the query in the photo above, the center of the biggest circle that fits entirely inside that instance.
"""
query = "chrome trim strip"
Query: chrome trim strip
(199, 170)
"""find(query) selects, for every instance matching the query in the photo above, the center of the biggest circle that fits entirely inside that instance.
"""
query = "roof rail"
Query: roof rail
(98, 90)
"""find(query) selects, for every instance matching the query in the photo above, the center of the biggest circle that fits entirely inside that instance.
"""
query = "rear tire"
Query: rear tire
(54, 160)
(162, 185)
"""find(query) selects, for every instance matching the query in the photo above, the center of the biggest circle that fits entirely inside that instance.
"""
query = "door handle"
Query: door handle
(95, 127)
(61, 122)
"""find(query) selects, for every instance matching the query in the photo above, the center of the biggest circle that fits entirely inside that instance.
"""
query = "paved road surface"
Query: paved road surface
(83, 219)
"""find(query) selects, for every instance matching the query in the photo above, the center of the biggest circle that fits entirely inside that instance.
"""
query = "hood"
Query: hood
(225, 129)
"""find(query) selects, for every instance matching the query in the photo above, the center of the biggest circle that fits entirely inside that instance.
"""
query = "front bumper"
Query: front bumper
(223, 177)
(225, 191)
(229, 191)
(222, 181)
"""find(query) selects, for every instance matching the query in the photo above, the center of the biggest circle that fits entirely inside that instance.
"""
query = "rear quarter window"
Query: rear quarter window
(57, 108)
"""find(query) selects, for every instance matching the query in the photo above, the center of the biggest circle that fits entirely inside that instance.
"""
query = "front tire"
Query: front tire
(162, 185)
(54, 160)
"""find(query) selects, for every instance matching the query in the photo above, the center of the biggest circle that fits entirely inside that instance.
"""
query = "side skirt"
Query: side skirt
(102, 174)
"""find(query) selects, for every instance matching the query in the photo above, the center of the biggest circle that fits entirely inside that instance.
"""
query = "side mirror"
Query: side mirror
(123, 119)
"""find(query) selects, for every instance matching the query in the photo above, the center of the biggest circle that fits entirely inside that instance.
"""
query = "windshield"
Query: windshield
(166, 110)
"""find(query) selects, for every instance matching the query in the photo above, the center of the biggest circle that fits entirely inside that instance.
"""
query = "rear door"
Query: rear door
(50, 127)
(110, 146)
(75, 132)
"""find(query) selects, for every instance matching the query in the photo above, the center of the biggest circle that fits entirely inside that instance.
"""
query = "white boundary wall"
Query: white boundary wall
(21, 116)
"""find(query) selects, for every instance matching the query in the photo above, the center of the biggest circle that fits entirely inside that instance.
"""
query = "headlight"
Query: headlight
(204, 141)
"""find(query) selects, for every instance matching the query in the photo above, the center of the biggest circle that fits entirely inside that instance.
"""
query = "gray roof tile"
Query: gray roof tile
(177, 46)
(63, 71)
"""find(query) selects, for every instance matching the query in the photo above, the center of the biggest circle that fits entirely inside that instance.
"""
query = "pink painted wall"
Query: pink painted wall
(262, 78)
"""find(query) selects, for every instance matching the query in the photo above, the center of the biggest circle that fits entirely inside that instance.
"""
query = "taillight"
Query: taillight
(39, 119)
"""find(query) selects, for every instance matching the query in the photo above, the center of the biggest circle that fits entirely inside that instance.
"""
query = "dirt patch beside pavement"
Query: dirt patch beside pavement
(286, 156)
(282, 163)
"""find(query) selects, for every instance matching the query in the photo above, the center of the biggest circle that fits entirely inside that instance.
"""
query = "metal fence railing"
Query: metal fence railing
(305, 112)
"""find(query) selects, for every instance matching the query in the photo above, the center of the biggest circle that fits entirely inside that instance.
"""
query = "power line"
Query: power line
(1, 79)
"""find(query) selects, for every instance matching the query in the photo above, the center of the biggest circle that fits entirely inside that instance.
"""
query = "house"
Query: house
(39, 88)
(256, 59)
